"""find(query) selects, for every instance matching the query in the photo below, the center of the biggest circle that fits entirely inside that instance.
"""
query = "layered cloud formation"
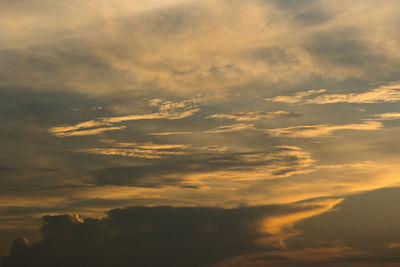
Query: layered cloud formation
(249, 236)
(256, 122)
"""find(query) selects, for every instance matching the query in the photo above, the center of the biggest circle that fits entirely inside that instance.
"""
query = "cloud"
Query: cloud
(253, 116)
(219, 129)
(171, 133)
(366, 222)
(231, 128)
(384, 93)
(310, 131)
(85, 132)
(326, 256)
(365, 233)
(98, 53)
(152, 151)
(387, 116)
(278, 226)
(157, 236)
(207, 171)
(166, 110)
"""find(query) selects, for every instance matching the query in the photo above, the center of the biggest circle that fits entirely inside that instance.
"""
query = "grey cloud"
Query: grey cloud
(340, 47)
(273, 56)
(367, 222)
(159, 236)
(172, 172)
(389, 92)
(137, 51)
(360, 231)
(310, 131)
(305, 12)
(166, 110)
(254, 115)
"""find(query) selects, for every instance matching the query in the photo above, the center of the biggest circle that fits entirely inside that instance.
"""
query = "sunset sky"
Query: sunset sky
(200, 133)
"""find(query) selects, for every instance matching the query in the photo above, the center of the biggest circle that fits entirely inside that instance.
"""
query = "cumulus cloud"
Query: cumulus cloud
(384, 93)
(158, 236)
(365, 232)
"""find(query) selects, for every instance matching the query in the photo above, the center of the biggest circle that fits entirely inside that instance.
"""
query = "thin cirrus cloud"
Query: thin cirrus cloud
(253, 115)
(303, 131)
(384, 93)
(210, 172)
(309, 131)
(387, 116)
(166, 110)
(151, 151)
(219, 129)
(83, 132)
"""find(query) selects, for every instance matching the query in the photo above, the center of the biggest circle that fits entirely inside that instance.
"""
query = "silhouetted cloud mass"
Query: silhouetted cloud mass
(286, 108)
(140, 236)
(365, 232)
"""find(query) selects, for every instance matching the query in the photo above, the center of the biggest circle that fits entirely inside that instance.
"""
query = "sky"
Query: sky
(199, 133)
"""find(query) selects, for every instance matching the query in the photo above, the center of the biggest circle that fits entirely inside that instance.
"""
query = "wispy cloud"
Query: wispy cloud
(209, 172)
(83, 132)
(171, 133)
(219, 129)
(384, 93)
(322, 129)
(231, 128)
(387, 116)
(253, 115)
(281, 227)
(166, 110)
(151, 151)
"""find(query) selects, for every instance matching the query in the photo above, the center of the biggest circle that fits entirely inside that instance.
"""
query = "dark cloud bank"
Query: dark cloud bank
(167, 236)
(140, 236)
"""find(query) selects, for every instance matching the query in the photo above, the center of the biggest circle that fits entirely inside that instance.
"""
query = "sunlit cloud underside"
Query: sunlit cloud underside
(200, 133)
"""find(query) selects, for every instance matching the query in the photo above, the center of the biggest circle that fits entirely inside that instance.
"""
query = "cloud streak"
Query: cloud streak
(310, 131)
(166, 110)
(253, 115)
(381, 94)
(387, 116)
(202, 172)
(152, 151)
(217, 130)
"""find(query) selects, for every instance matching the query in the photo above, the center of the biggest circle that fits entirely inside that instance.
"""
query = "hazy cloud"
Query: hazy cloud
(166, 110)
(219, 129)
(253, 115)
(152, 151)
(383, 93)
(106, 104)
(198, 172)
(309, 131)
(387, 116)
